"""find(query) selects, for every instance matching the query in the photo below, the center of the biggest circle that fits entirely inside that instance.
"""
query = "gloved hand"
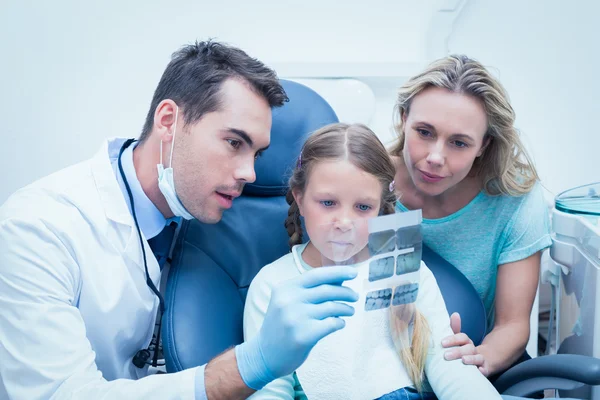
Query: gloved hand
(301, 312)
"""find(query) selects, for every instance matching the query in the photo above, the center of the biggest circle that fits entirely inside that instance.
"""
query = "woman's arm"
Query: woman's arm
(525, 237)
(516, 287)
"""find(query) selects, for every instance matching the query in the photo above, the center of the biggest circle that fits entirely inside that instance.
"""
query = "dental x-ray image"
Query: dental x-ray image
(378, 299)
(381, 242)
(407, 263)
(381, 268)
(395, 249)
(405, 294)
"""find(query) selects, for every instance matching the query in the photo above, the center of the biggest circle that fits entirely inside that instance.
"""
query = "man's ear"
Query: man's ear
(165, 118)
(298, 198)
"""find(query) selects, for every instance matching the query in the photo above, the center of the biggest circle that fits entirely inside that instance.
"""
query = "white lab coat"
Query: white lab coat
(74, 304)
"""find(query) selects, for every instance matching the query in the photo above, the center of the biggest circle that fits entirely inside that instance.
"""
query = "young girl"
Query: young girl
(345, 174)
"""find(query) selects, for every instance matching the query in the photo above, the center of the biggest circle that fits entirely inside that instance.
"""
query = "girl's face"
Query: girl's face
(444, 133)
(338, 200)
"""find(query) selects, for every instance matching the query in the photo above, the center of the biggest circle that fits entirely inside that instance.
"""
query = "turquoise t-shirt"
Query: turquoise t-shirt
(488, 232)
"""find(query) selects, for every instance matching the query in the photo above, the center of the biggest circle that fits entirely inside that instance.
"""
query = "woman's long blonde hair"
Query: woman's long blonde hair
(359, 145)
(504, 167)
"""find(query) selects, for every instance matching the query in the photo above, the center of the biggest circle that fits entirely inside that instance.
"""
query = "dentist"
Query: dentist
(80, 267)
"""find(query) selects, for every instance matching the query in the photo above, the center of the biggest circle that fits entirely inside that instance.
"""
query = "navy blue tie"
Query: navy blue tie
(161, 243)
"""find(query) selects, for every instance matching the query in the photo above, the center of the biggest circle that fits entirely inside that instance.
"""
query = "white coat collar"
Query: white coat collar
(125, 237)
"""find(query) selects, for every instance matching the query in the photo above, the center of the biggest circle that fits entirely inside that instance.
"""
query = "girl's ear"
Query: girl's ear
(298, 198)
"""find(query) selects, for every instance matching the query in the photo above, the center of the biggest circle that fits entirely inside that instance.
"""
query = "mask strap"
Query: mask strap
(161, 154)
(173, 142)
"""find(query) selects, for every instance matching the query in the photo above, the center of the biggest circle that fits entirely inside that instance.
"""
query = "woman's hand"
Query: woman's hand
(464, 347)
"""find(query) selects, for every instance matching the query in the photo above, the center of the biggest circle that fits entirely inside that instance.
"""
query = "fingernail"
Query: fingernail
(467, 359)
(445, 342)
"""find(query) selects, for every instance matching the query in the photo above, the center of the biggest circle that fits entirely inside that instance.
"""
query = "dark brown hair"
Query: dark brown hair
(194, 77)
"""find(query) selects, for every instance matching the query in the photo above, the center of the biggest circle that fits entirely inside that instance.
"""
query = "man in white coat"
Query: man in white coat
(79, 279)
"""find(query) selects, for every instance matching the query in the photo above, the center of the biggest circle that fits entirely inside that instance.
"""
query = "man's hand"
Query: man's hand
(301, 312)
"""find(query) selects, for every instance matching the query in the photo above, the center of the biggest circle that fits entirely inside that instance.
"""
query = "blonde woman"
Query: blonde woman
(459, 158)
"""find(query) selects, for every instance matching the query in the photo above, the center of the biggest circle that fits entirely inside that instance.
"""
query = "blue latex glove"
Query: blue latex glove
(301, 312)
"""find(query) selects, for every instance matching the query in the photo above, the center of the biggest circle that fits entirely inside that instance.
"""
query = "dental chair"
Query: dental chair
(212, 265)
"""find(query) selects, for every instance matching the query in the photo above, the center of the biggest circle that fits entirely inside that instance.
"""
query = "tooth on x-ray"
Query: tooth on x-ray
(381, 268)
(407, 263)
(405, 294)
(408, 236)
(378, 299)
(381, 242)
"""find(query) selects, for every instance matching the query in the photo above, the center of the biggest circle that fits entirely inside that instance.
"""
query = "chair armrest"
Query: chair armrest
(558, 371)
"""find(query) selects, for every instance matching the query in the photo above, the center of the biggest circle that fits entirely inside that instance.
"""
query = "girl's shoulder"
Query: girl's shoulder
(276, 272)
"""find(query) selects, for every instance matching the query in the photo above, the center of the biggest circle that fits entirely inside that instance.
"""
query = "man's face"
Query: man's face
(214, 157)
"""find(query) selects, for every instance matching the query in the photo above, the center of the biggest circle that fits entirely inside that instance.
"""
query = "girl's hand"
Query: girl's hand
(464, 347)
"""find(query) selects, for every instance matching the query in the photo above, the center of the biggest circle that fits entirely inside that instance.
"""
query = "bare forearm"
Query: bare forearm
(222, 379)
(504, 345)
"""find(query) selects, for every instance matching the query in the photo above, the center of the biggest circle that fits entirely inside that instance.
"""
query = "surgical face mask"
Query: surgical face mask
(165, 180)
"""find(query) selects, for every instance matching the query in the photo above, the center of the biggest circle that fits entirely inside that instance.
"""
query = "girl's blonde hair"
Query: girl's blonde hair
(504, 167)
(413, 353)
(360, 146)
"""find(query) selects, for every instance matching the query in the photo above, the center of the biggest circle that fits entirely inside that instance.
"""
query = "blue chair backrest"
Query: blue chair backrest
(213, 265)
(459, 294)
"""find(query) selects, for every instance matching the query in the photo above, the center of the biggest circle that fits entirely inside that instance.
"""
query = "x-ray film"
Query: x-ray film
(395, 250)
(387, 251)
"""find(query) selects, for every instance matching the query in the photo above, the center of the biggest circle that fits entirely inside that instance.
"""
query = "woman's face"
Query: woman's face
(444, 133)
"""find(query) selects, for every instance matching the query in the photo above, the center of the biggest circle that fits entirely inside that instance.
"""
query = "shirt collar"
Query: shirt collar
(150, 219)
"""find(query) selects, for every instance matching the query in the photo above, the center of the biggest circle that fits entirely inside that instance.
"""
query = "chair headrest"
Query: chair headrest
(306, 112)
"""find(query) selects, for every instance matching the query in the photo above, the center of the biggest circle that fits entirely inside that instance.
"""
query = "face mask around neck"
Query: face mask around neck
(166, 183)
